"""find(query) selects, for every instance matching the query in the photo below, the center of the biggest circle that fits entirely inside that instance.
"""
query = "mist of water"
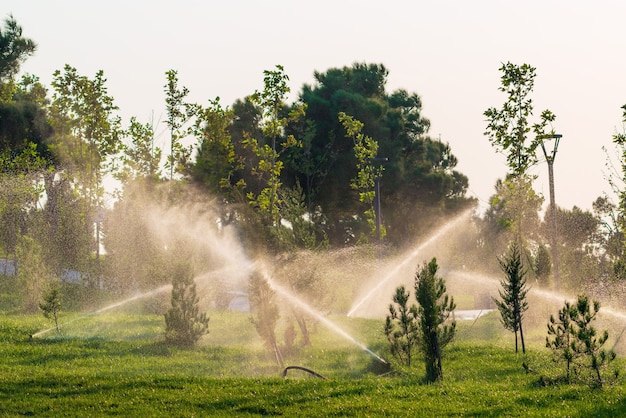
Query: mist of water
(409, 259)
(162, 289)
(300, 304)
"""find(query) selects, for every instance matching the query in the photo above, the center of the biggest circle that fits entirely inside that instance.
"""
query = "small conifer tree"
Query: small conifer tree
(512, 303)
(563, 342)
(401, 326)
(434, 308)
(184, 324)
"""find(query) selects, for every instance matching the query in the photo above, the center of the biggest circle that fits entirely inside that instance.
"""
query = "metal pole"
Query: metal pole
(555, 252)
(377, 209)
(553, 244)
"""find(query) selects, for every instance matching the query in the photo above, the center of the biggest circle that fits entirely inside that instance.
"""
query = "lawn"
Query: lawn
(118, 364)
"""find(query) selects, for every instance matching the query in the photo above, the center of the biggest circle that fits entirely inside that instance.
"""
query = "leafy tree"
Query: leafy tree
(271, 103)
(508, 129)
(266, 312)
(179, 113)
(512, 303)
(365, 150)
(402, 326)
(14, 49)
(51, 303)
(420, 173)
(433, 311)
(141, 159)
(87, 134)
(184, 324)
(217, 165)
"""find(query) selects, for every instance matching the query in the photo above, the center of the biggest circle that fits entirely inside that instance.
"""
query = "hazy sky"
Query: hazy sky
(448, 52)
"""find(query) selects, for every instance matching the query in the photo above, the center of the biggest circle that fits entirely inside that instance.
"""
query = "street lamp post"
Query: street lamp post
(550, 160)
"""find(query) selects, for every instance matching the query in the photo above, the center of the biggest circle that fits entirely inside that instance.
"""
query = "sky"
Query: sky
(448, 52)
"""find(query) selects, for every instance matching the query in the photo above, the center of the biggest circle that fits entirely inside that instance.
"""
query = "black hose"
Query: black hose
(303, 369)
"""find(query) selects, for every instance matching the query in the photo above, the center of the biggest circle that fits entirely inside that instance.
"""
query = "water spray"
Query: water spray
(293, 299)
(156, 291)
(409, 258)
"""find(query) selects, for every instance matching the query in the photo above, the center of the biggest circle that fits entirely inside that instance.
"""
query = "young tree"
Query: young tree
(263, 305)
(434, 308)
(14, 49)
(508, 130)
(365, 150)
(563, 343)
(590, 344)
(51, 303)
(512, 303)
(401, 326)
(271, 101)
(184, 324)
(178, 114)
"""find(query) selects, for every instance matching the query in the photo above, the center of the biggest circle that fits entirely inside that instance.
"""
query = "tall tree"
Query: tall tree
(512, 303)
(87, 134)
(14, 50)
(420, 172)
(434, 308)
(509, 128)
(365, 150)
(179, 113)
(271, 102)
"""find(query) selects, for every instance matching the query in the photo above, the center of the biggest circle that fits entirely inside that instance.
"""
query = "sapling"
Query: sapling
(51, 304)
(401, 326)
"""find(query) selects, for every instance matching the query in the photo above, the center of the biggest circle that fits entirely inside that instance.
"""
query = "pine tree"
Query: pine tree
(564, 344)
(401, 326)
(184, 324)
(433, 312)
(512, 303)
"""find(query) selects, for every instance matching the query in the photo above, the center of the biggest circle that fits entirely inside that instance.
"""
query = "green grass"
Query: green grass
(118, 364)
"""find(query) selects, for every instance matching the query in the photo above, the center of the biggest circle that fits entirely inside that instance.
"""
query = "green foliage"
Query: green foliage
(51, 302)
(401, 326)
(419, 177)
(179, 113)
(14, 49)
(509, 126)
(563, 343)
(576, 341)
(365, 150)
(184, 324)
(434, 308)
(141, 158)
(512, 303)
(590, 344)
(269, 167)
